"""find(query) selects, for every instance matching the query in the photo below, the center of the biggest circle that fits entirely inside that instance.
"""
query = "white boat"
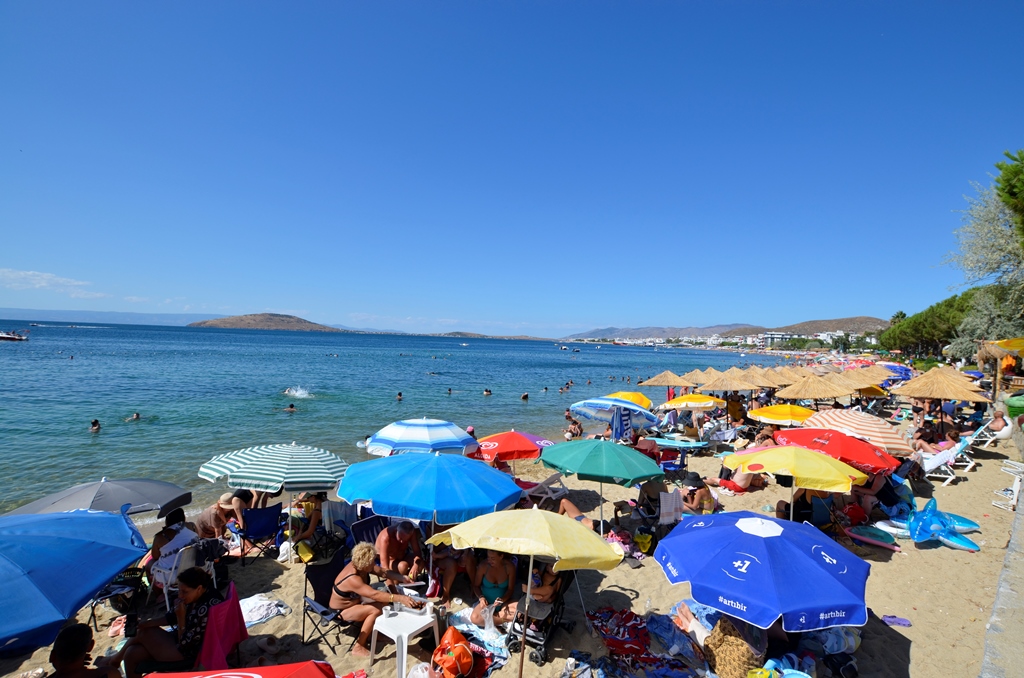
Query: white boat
(13, 336)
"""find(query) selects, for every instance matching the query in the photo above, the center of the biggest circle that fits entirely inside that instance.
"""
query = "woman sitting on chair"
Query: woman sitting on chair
(360, 602)
(495, 584)
(196, 595)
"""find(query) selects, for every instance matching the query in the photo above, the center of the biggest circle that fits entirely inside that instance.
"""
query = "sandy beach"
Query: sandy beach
(945, 593)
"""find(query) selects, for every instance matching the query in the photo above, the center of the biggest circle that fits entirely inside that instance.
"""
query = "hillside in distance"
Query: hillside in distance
(857, 324)
(658, 332)
(266, 321)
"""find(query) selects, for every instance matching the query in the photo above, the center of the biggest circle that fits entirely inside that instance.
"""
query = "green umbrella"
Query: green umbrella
(601, 461)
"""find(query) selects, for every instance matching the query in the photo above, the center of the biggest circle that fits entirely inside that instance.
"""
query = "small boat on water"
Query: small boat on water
(13, 336)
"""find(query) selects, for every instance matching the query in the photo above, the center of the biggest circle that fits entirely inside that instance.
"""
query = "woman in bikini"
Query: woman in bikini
(358, 601)
(495, 584)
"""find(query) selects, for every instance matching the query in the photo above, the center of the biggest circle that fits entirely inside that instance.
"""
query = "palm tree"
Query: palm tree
(897, 318)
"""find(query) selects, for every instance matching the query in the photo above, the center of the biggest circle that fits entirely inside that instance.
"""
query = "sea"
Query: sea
(204, 391)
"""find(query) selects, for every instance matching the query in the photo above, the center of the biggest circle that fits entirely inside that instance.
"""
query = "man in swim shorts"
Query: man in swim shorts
(399, 549)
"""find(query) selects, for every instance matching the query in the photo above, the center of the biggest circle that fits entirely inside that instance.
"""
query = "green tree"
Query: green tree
(987, 319)
(897, 318)
(1010, 187)
(990, 249)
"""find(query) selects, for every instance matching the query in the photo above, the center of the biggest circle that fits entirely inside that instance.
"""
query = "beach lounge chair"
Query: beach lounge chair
(1013, 495)
(539, 631)
(940, 466)
(368, 529)
(985, 437)
(551, 488)
(962, 459)
(316, 598)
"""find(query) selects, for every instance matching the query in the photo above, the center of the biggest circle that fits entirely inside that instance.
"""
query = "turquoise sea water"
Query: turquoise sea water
(203, 392)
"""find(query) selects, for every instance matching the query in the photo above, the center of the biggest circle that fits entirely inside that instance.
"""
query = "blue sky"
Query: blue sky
(501, 167)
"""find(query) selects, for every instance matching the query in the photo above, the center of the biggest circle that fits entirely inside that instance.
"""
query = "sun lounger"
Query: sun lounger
(940, 466)
(1011, 497)
(551, 488)
(985, 437)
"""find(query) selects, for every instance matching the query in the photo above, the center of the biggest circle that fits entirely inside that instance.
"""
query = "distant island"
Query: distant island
(266, 321)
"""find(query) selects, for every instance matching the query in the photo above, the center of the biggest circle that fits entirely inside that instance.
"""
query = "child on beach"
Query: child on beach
(70, 655)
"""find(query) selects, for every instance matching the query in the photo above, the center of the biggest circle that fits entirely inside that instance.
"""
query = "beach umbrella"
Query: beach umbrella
(710, 373)
(813, 388)
(269, 468)
(144, 494)
(443, 488)
(854, 452)
(306, 669)
(861, 425)
(696, 376)
(810, 470)
(781, 415)
(728, 382)
(52, 564)
(608, 409)
(759, 569)
(601, 461)
(693, 401)
(755, 375)
(634, 397)
(1012, 345)
(873, 392)
(538, 534)
(940, 385)
(420, 435)
(668, 378)
(511, 445)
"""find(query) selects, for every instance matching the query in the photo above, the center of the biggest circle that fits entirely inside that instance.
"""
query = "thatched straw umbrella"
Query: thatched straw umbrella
(759, 377)
(813, 388)
(696, 376)
(668, 378)
(875, 372)
(728, 383)
(710, 373)
(840, 379)
(940, 385)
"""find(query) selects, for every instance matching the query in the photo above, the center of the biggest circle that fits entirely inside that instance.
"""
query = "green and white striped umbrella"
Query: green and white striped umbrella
(269, 468)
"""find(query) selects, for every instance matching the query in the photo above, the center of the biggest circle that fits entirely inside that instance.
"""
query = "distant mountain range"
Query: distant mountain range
(857, 324)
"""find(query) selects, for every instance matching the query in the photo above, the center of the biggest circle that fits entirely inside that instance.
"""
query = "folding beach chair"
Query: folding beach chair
(316, 598)
(261, 528)
(122, 593)
(184, 559)
(368, 529)
(940, 466)
(551, 488)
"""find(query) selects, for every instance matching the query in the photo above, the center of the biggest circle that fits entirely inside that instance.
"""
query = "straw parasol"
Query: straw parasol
(728, 383)
(735, 372)
(668, 378)
(846, 380)
(814, 388)
(763, 377)
(696, 376)
(782, 376)
(966, 379)
(875, 372)
(940, 385)
(710, 373)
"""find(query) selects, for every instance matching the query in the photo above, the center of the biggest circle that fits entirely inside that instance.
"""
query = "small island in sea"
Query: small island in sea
(266, 321)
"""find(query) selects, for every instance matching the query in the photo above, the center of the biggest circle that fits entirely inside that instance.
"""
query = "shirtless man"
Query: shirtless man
(70, 655)
(399, 549)
(998, 423)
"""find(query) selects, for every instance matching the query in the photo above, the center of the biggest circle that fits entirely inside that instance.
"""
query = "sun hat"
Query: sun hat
(693, 479)
(470, 429)
(225, 500)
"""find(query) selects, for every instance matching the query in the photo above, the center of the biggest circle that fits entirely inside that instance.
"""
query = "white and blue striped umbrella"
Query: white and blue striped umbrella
(604, 409)
(420, 435)
(269, 468)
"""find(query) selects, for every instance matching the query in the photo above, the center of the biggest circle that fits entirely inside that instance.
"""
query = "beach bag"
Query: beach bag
(453, 656)
(728, 655)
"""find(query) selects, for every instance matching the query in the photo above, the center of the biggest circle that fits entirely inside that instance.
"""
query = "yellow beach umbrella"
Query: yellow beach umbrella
(693, 401)
(1012, 345)
(873, 392)
(632, 396)
(534, 533)
(782, 415)
(810, 469)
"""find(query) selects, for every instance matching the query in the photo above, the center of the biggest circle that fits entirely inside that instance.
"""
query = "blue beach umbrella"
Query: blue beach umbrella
(444, 488)
(52, 564)
(607, 409)
(759, 569)
(421, 435)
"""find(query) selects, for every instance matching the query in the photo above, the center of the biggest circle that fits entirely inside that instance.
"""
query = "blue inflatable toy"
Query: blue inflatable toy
(931, 523)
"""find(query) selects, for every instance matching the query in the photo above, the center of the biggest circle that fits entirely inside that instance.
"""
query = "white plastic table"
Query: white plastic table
(400, 628)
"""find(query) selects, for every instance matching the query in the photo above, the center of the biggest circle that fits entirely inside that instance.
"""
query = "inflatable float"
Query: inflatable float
(930, 523)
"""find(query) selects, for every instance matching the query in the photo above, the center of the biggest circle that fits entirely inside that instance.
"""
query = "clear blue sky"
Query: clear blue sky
(501, 167)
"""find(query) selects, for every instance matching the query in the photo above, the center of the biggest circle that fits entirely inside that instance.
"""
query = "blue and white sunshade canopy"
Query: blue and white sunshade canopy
(421, 435)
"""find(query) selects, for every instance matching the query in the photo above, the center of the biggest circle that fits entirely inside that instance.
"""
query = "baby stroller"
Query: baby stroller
(539, 631)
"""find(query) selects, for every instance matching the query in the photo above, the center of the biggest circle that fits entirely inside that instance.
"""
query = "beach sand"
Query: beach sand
(946, 594)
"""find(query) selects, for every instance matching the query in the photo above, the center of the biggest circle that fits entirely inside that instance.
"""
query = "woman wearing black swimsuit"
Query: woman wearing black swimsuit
(358, 601)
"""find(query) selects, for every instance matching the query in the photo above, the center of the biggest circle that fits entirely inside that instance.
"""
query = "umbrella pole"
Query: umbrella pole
(583, 606)
(526, 618)
(601, 485)
(792, 491)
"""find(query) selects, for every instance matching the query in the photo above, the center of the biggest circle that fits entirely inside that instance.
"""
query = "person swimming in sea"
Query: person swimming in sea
(94, 427)
(134, 417)
(290, 408)
(399, 396)
(449, 391)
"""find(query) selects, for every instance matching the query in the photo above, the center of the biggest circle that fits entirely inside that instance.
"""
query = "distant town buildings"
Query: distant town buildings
(764, 340)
